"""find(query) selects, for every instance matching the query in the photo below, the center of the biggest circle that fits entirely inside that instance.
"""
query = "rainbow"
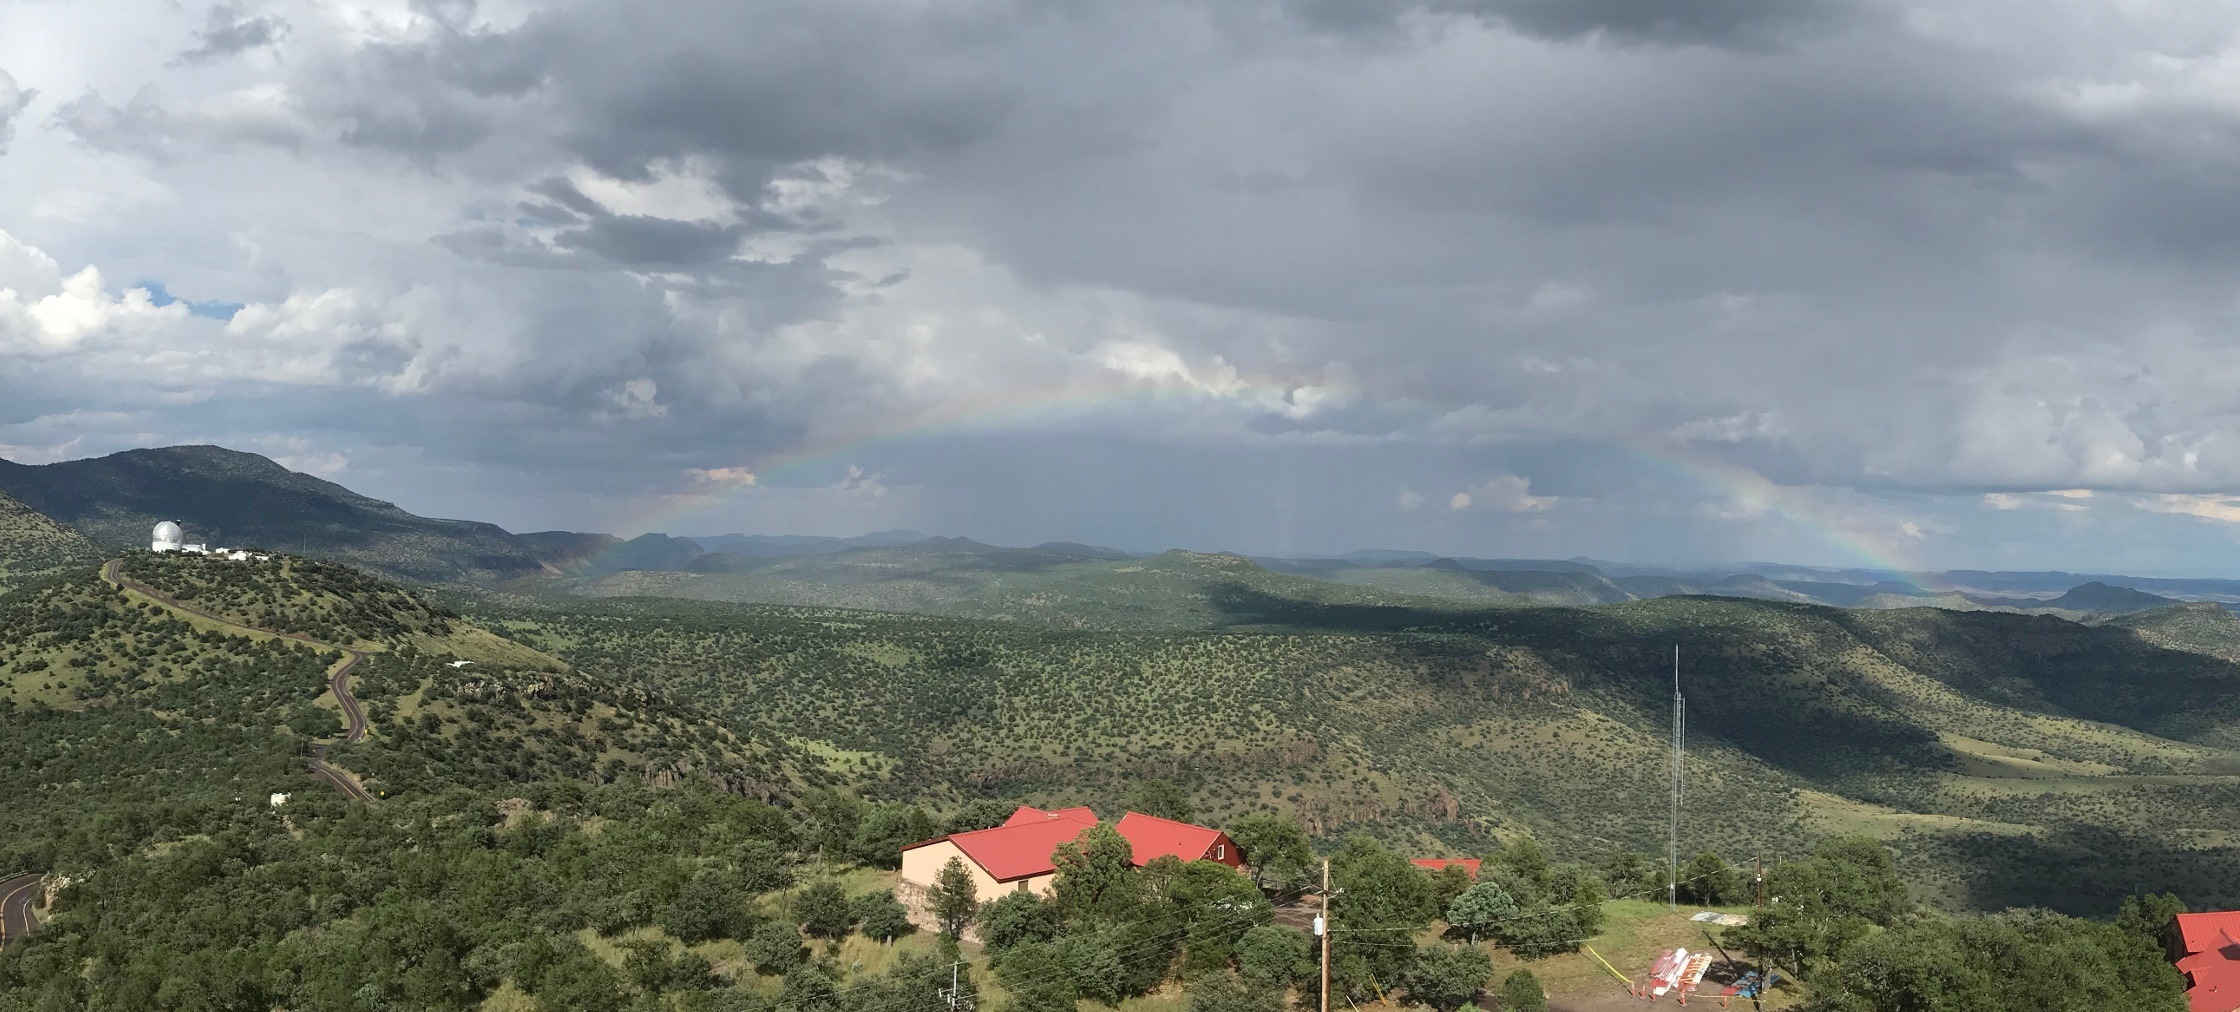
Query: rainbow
(1794, 505)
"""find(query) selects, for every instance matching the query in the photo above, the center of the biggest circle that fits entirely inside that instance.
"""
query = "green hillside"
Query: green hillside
(244, 500)
(448, 703)
(584, 803)
(1052, 586)
(525, 808)
(32, 545)
(2104, 758)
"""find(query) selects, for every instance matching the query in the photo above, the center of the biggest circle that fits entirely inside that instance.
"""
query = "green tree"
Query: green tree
(1577, 887)
(1221, 992)
(1707, 879)
(1521, 992)
(979, 813)
(1096, 880)
(1275, 957)
(1634, 875)
(831, 819)
(2149, 916)
(1216, 906)
(1275, 847)
(823, 911)
(774, 947)
(646, 962)
(1819, 906)
(1039, 981)
(1383, 902)
(1016, 918)
(711, 905)
(1095, 962)
(1480, 910)
(809, 988)
(882, 916)
(954, 898)
(1543, 931)
(886, 829)
(1162, 798)
(1521, 867)
(1446, 977)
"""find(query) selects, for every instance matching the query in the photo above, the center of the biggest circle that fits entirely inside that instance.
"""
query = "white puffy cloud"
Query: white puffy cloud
(43, 312)
(1502, 493)
(2221, 508)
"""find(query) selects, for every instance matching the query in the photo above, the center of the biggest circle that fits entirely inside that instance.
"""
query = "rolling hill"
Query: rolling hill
(33, 545)
(84, 661)
(1068, 586)
(2011, 759)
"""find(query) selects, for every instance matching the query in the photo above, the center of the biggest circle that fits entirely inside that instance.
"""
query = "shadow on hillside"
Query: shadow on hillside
(2085, 871)
(2050, 665)
(1238, 605)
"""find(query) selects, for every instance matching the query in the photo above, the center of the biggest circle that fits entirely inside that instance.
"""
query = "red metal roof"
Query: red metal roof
(1469, 864)
(1029, 813)
(1021, 847)
(1018, 851)
(2212, 960)
(1154, 837)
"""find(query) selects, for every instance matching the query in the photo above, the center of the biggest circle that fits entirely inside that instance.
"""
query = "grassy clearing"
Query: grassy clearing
(1634, 934)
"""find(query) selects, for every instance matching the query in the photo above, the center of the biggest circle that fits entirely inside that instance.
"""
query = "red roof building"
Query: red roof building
(1030, 814)
(2206, 948)
(1469, 865)
(1017, 854)
(1152, 837)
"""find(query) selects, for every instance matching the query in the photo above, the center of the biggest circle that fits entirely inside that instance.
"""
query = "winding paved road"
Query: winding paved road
(353, 716)
(16, 893)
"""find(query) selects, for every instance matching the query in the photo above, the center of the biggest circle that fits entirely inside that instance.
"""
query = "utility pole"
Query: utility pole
(1679, 774)
(1322, 927)
(955, 995)
(1760, 878)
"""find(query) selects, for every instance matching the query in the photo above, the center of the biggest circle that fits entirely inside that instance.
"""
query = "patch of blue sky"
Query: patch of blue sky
(213, 310)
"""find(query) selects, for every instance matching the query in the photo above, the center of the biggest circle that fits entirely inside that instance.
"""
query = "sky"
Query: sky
(1852, 283)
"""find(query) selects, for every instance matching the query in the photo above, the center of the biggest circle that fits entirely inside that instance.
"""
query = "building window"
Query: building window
(1221, 852)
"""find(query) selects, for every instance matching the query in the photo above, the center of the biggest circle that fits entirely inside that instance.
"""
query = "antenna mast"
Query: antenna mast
(1679, 775)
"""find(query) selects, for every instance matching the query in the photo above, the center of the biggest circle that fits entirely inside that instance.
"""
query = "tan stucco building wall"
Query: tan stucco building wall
(922, 865)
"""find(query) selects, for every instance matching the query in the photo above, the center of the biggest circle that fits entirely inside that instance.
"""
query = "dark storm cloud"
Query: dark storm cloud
(231, 31)
(1977, 248)
(1744, 23)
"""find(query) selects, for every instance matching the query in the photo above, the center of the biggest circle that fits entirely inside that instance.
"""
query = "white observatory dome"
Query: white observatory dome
(167, 537)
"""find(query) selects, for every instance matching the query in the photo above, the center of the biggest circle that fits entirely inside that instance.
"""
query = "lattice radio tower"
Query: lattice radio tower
(1679, 775)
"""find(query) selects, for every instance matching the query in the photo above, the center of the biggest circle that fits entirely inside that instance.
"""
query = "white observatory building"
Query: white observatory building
(170, 537)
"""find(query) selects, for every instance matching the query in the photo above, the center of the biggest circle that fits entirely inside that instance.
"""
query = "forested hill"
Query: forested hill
(244, 500)
(2012, 758)
(145, 723)
(87, 668)
(32, 544)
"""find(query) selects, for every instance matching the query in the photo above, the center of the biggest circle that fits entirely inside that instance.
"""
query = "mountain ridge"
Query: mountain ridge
(243, 499)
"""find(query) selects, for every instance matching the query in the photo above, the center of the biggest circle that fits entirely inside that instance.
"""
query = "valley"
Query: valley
(2000, 758)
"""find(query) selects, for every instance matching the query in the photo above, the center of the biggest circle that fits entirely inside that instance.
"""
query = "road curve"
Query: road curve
(16, 894)
(353, 715)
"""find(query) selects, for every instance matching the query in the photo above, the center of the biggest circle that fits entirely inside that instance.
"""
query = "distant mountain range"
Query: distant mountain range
(244, 500)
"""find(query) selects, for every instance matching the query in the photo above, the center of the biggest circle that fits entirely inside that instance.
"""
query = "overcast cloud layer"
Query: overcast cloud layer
(1811, 281)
